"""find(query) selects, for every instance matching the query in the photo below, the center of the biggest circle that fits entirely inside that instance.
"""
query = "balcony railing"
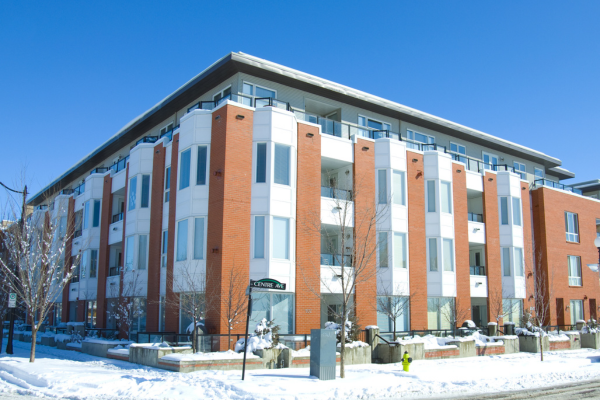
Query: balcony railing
(113, 271)
(117, 217)
(41, 207)
(169, 133)
(271, 102)
(67, 192)
(120, 165)
(476, 217)
(209, 105)
(477, 270)
(77, 233)
(335, 260)
(384, 134)
(504, 167)
(79, 189)
(333, 193)
(100, 170)
(147, 139)
(556, 185)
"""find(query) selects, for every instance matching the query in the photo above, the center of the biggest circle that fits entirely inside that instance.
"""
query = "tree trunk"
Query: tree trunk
(228, 337)
(194, 349)
(541, 347)
(394, 329)
(33, 342)
(342, 348)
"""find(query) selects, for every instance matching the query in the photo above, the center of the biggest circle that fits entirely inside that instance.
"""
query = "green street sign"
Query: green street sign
(267, 283)
(12, 300)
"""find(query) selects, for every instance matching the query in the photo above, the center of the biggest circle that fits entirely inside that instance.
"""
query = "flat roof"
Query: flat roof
(587, 186)
(233, 63)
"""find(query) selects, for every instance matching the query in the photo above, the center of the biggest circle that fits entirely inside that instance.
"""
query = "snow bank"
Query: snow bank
(354, 344)
(254, 343)
(470, 324)
(75, 323)
(61, 337)
(163, 345)
(220, 355)
(119, 350)
(372, 327)
(305, 352)
(107, 341)
(561, 337)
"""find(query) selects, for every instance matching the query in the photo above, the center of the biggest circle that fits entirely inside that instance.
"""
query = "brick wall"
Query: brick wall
(493, 267)
(171, 310)
(461, 237)
(364, 233)
(527, 244)
(308, 202)
(123, 328)
(68, 257)
(417, 240)
(104, 250)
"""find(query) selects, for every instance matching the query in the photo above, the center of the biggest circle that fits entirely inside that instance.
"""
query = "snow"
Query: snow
(354, 344)
(372, 327)
(75, 323)
(61, 337)
(66, 374)
(305, 352)
(558, 338)
(78, 345)
(492, 324)
(220, 355)
(470, 324)
(119, 350)
(106, 341)
(163, 345)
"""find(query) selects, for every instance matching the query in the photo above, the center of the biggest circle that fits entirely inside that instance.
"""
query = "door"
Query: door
(476, 315)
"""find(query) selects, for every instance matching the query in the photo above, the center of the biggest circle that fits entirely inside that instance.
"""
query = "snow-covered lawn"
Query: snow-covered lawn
(60, 373)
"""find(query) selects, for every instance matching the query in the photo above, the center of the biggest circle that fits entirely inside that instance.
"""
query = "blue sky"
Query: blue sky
(73, 73)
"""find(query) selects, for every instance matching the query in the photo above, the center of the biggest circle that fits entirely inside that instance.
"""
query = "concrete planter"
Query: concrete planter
(18, 336)
(274, 358)
(590, 340)
(575, 339)
(387, 354)
(48, 341)
(491, 349)
(201, 365)
(150, 355)
(357, 355)
(465, 348)
(511, 344)
(531, 344)
(26, 338)
(98, 349)
(62, 345)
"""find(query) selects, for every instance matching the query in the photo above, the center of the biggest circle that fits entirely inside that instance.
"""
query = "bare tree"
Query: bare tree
(352, 250)
(392, 305)
(542, 292)
(33, 268)
(456, 313)
(236, 303)
(500, 308)
(127, 305)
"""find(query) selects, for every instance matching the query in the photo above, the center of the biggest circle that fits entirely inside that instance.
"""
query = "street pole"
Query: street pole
(247, 326)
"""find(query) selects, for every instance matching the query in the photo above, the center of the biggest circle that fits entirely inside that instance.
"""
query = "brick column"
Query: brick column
(155, 239)
(527, 244)
(104, 250)
(417, 240)
(365, 239)
(493, 265)
(172, 312)
(228, 244)
(68, 256)
(308, 242)
(123, 329)
(461, 237)
(80, 311)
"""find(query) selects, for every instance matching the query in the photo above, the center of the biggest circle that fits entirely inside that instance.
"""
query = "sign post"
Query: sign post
(265, 283)
(12, 304)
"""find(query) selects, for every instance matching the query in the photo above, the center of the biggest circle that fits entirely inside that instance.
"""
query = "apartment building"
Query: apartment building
(228, 173)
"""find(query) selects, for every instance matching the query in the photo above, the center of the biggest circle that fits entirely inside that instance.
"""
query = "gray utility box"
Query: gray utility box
(322, 353)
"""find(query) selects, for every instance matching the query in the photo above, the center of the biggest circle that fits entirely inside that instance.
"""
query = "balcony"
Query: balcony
(169, 134)
(147, 139)
(547, 183)
(210, 105)
(475, 217)
(333, 193)
(41, 207)
(114, 271)
(99, 170)
(477, 270)
(79, 190)
(117, 217)
(119, 165)
(77, 233)
(336, 260)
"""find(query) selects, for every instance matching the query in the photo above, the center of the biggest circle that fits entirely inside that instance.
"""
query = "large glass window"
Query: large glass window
(86, 215)
(520, 169)
(259, 236)
(539, 173)
(420, 137)
(167, 184)
(273, 306)
(439, 312)
(198, 238)
(142, 251)
(572, 227)
(518, 260)
(145, 191)
(383, 249)
(382, 186)
(282, 164)
(182, 240)
(576, 311)
(96, 214)
(90, 315)
(448, 255)
(446, 197)
(385, 323)
(433, 254)
(506, 261)
(513, 310)
(163, 252)
(129, 245)
(430, 196)
(399, 250)
(504, 210)
(516, 211)
(261, 162)
(201, 167)
(184, 173)
(281, 238)
(93, 263)
(132, 193)
(574, 270)
(398, 185)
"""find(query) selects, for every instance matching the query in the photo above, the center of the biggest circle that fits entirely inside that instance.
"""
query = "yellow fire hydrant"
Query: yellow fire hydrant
(406, 360)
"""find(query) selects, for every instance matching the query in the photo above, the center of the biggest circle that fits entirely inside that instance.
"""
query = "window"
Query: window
(383, 250)
(572, 227)
(574, 270)
(516, 211)
(167, 184)
(513, 310)
(62, 227)
(597, 226)
(129, 244)
(222, 94)
(446, 197)
(430, 196)
(261, 162)
(142, 251)
(448, 255)
(381, 186)
(182, 239)
(163, 252)
(518, 260)
(132, 192)
(90, 315)
(438, 311)
(506, 261)
(259, 237)
(273, 306)
(398, 179)
(201, 168)
(282, 164)
(504, 210)
(539, 173)
(198, 238)
(399, 250)
(458, 148)
(281, 238)
(96, 214)
(145, 191)
(373, 125)
(184, 174)
(256, 91)
(83, 264)
(420, 137)
(86, 215)
(520, 169)
(576, 311)
(93, 263)
(490, 160)
(166, 129)
(433, 255)
(75, 275)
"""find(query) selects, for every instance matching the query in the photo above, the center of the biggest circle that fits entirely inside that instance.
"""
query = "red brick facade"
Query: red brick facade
(461, 237)
(68, 257)
(172, 312)
(104, 251)
(493, 266)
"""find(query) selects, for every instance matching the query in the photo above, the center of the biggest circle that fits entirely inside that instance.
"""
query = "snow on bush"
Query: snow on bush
(492, 324)
(470, 324)
(190, 327)
(264, 337)
(338, 330)
(61, 337)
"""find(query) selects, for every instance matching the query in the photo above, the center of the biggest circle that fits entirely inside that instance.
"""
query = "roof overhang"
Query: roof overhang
(561, 173)
(588, 186)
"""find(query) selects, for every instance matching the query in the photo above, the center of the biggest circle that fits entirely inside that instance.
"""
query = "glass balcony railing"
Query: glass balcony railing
(119, 165)
(79, 189)
(117, 217)
(147, 139)
(209, 105)
(271, 102)
(333, 193)
(556, 185)
(169, 134)
(477, 270)
(335, 260)
(113, 271)
(475, 217)
(99, 170)
(77, 233)
(41, 207)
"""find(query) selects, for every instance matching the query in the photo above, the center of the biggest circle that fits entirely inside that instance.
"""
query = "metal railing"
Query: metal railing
(271, 102)
(119, 165)
(558, 328)
(169, 134)
(113, 271)
(147, 139)
(556, 185)
(335, 260)
(504, 167)
(477, 270)
(334, 193)
(475, 217)
(209, 105)
(41, 207)
(99, 170)
(77, 233)
(117, 217)
(79, 190)
(380, 134)
(101, 333)
(66, 192)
